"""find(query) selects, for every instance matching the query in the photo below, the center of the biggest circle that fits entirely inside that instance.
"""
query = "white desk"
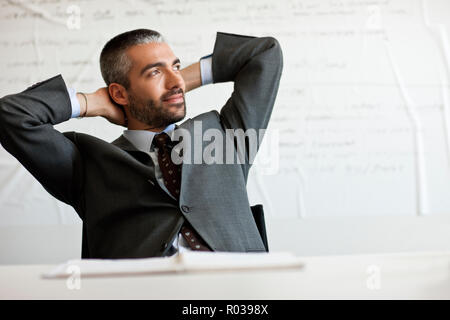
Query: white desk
(388, 276)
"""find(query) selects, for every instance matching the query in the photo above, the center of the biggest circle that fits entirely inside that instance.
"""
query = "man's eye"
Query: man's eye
(153, 72)
(178, 67)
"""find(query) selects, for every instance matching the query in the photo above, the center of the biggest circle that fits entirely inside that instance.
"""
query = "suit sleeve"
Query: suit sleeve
(255, 65)
(26, 131)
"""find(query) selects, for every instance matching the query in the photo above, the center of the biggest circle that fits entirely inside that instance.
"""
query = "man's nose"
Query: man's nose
(174, 80)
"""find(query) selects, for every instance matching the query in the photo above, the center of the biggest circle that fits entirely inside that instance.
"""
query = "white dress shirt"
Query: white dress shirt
(142, 139)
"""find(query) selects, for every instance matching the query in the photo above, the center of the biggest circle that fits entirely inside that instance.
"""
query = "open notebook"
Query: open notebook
(187, 261)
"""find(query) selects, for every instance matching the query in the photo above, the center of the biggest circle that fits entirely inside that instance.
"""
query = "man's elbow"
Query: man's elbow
(3, 110)
(6, 111)
(3, 120)
(276, 52)
(12, 117)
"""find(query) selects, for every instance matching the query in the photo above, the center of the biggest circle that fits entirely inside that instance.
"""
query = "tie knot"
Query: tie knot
(162, 139)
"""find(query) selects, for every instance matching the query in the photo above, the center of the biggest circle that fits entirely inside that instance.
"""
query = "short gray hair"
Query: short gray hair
(114, 62)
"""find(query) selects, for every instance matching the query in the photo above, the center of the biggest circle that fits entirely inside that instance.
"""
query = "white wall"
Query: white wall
(362, 115)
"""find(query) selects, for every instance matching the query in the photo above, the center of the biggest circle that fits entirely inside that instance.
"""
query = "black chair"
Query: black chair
(258, 215)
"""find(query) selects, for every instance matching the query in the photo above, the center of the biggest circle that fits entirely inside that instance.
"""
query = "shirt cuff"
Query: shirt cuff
(76, 109)
(206, 69)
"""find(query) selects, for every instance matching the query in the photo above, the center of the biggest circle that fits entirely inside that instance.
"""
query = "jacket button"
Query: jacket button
(185, 209)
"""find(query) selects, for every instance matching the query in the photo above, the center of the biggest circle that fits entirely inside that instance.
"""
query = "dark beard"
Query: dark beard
(154, 114)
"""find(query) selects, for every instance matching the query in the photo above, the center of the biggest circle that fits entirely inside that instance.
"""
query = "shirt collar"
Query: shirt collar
(142, 139)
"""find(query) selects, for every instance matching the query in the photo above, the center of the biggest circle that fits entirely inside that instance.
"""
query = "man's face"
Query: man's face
(156, 93)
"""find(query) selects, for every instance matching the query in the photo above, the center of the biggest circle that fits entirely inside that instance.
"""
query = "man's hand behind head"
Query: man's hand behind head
(99, 103)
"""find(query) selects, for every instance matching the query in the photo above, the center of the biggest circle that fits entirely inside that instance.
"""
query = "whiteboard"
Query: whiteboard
(360, 129)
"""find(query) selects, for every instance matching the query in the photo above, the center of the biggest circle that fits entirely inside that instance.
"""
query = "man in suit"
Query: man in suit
(122, 190)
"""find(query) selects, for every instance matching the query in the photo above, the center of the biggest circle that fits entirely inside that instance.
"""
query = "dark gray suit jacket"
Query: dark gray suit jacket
(112, 186)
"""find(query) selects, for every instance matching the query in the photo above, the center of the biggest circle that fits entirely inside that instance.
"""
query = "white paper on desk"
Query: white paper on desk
(187, 261)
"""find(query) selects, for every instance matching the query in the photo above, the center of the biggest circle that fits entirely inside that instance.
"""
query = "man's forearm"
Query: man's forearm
(192, 76)
(89, 106)
(100, 104)
(198, 74)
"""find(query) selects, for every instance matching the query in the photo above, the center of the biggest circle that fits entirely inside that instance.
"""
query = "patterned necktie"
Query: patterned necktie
(172, 181)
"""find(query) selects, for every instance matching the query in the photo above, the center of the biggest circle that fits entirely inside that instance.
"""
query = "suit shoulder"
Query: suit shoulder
(207, 116)
(77, 137)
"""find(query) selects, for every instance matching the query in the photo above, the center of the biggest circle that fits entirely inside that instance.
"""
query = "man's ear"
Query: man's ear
(118, 93)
